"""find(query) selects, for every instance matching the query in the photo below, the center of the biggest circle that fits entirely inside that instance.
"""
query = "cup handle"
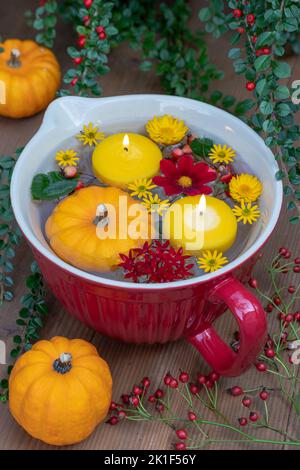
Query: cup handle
(252, 324)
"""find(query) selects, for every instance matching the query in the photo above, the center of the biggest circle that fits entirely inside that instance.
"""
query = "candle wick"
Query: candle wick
(126, 148)
(201, 213)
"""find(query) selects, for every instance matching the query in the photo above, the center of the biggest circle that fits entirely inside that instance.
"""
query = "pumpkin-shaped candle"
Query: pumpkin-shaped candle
(120, 159)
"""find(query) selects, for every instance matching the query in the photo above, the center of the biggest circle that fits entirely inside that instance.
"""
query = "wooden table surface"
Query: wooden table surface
(129, 363)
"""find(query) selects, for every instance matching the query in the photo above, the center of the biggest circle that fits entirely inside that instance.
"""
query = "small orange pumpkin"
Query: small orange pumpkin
(29, 78)
(60, 390)
(71, 229)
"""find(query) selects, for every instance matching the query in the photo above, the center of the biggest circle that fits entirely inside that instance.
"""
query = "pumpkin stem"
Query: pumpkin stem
(101, 215)
(63, 364)
(14, 60)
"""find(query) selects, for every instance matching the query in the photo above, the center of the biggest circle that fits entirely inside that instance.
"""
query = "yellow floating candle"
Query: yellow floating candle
(120, 159)
(209, 225)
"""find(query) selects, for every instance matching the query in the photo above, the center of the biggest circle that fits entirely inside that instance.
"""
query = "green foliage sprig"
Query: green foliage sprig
(261, 34)
(31, 318)
(10, 234)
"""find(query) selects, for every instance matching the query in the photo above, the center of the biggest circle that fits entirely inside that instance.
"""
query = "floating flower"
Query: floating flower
(90, 135)
(156, 262)
(185, 177)
(141, 187)
(245, 187)
(211, 261)
(246, 212)
(219, 154)
(166, 130)
(155, 204)
(66, 158)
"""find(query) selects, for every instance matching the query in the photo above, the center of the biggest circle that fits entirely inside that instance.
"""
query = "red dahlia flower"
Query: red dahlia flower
(185, 177)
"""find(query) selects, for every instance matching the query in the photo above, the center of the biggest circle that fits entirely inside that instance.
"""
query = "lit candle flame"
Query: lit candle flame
(202, 205)
(126, 142)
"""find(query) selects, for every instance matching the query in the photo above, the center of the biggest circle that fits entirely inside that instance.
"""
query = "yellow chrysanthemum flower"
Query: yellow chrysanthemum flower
(211, 261)
(219, 154)
(155, 204)
(166, 130)
(66, 158)
(246, 212)
(90, 135)
(245, 187)
(141, 187)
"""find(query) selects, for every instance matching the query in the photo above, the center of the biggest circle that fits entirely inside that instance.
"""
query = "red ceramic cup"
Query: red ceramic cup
(157, 312)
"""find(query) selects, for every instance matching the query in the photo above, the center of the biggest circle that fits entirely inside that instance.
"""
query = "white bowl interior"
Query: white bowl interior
(65, 117)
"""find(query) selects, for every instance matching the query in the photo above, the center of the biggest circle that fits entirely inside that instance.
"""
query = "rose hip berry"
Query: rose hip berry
(269, 308)
(296, 269)
(173, 383)
(81, 40)
(151, 399)
(194, 389)
(125, 399)
(167, 379)
(291, 289)
(184, 377)
(137, 390)
(134, 401)
(236, 391)
(77, 60)
(122, 414)
(250, 19)
(113, 406)
(159, 393)
(264, 395)
(159, 407)
(269, 352)
(88, 3)
(181, 434)
(261, 367)
(243, 421)
(252, 282)
(146, 382)
(202, 379)
(237, 13)
(192, 416)
(277, 301)
(253, 416)
(112, 421)
(246, 401)
(297, 260)
(214, 376)
(180, 446)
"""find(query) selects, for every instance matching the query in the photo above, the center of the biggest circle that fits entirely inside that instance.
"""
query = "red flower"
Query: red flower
(155, 262)
(185, 177)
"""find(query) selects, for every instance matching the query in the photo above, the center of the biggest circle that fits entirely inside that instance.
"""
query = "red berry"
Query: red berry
(102, 35)
(269, 308)
(258, 52)
(236, 391)
(74, 81)
(277, 301)
(134, 401)
(263, 395)
(297, 260)
(240, 30)
(70, 171)
(254, 39)
(122, 414)
(180, 446)
(253, 416)
(266, 50)
(125, 399)
(289, 318)
(81, 40)
(184, 377)
(177, 153)
(246, 401)
(282, 251)
(194, 389)
(250, 86)
(146, 382)
(202, 379)
(250, 18)
(291, 360)
(270, 353)
(214, 376)
(86, 20)
(100, 29)
(159, 393)
(159, 407)
(113, 406)
(167, 379)
(288, 255)
(137, 390)
(243, 421)
(80, 185)
(253, 282)
(292, 289)
(113, 421)
(77, 60)
(297, 316)
(226, 178)
(237, 13)
(261, 367)
(192, 416)
(296, 269)
(88, 3)
(209, 384)
(181, 434)
(173, 383)
(151, 399)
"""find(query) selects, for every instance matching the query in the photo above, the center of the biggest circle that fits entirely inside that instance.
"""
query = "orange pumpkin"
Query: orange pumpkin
(60, 390)
(72, 229)
(29, 78)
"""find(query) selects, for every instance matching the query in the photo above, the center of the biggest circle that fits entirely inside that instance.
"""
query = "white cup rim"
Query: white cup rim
(226, 270)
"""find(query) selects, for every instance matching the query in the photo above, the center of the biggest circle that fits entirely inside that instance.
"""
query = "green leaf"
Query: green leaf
(279, 175)
(282, 92)
(262, 63)
(17, 339)
(295, 219)
(205, 14)
(261, 86)
(146, 65)
(264, 39)
(266, 107)
(51, 186)
(282, 69)
(201, 147)
(234, 53)
(283, 109)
